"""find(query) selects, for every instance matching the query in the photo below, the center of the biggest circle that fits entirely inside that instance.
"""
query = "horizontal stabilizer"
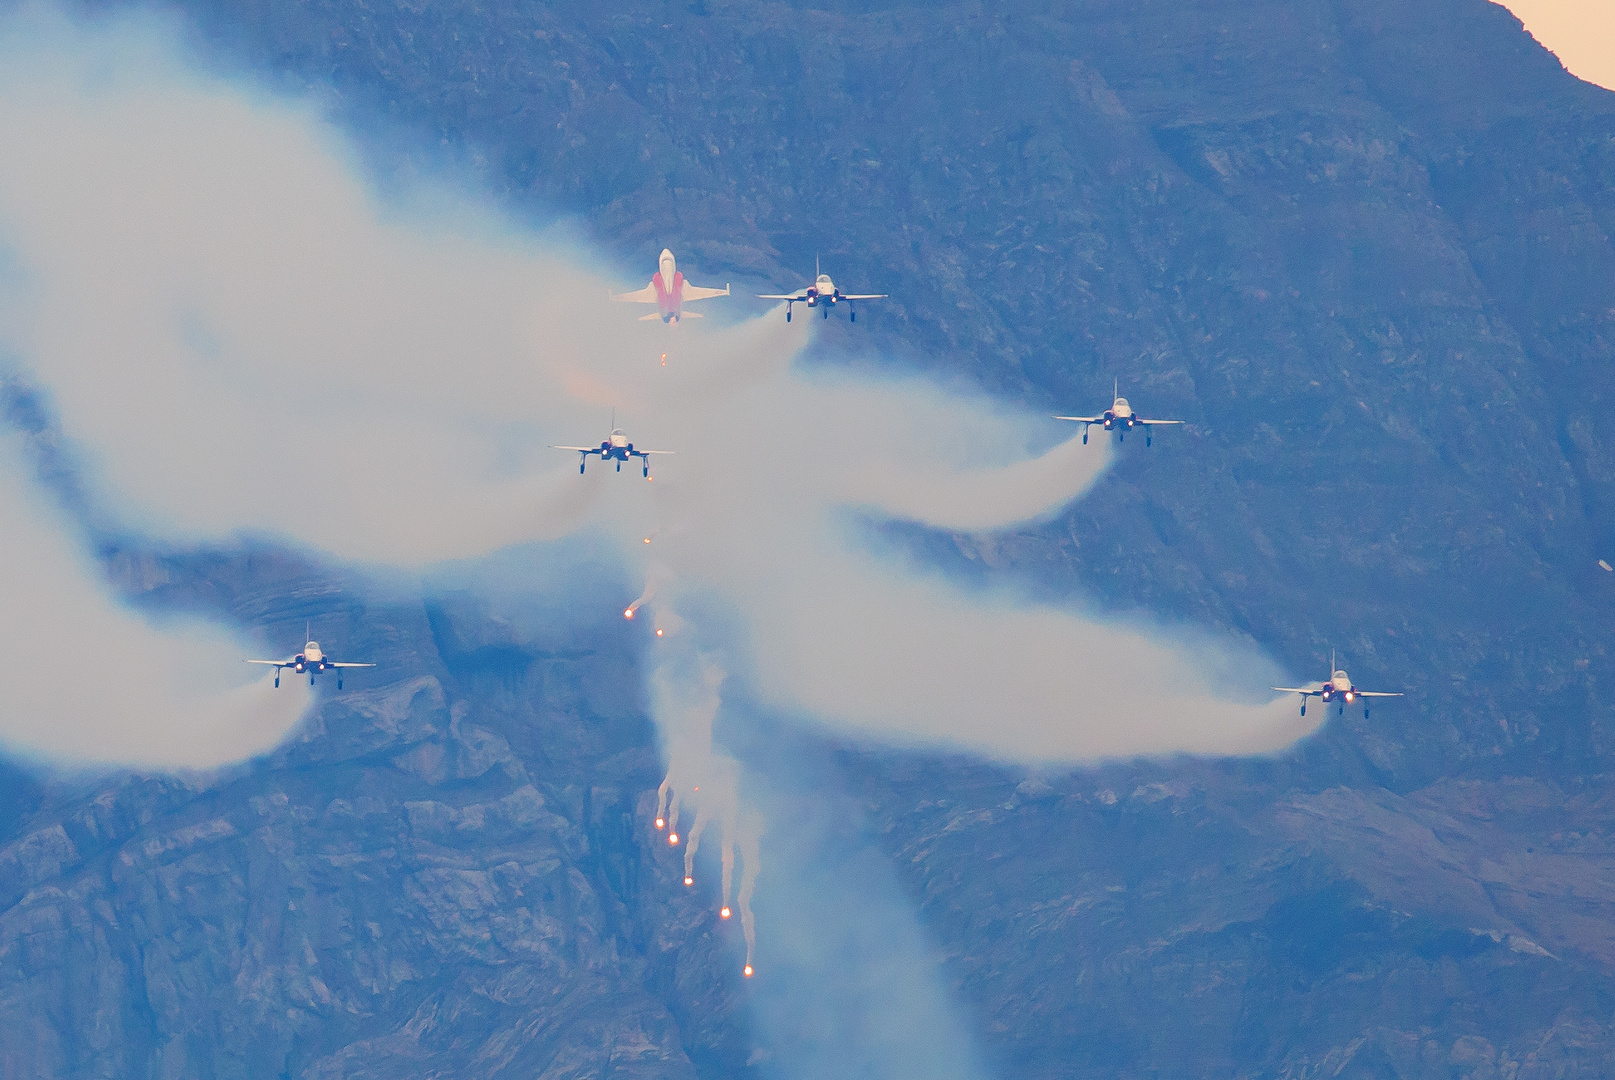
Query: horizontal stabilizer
(691, 315)
(652, 317)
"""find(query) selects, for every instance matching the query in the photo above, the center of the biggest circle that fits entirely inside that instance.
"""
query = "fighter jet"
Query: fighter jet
(669, 292)
(1339, 686)
(311, 660)
(821, 294)
(618, 449)
(1119, 416)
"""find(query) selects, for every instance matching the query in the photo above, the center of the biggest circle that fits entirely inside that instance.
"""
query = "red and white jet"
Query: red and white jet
(1119, 417)
(821, 294)
(1338, 685)
(669, 292)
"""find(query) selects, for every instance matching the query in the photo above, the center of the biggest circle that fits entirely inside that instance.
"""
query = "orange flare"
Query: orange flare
(647, 539)
(672, 838)
(748, 971)
(660, 823)
(628, 613)
(658, 631)
(723, 913)
(689, 881)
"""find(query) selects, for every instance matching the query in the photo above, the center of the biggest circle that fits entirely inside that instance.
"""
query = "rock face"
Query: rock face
(1363, 245)
(1189, 922)
(434, 877)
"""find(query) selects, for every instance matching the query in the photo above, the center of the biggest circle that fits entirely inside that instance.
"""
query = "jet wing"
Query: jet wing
(647, 295)
(648, 453)
(694, 292)
(865, 296)
(800, 294)
(274, 663)
(330, 663)
(1377, 693)
(1141, 420)
(581, 449)
(1083, 419)
(1298, 690)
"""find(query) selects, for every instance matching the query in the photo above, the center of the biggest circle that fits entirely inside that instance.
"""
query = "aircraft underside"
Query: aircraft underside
(1121, 428)
(825, 303)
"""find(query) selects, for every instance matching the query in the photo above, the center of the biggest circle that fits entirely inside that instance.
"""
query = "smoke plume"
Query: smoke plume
(90, 681)
(242, 337)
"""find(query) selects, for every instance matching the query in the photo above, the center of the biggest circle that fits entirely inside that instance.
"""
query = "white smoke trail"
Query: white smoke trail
(686, 695)
(222, 311)
(100, 683)
(749, 837)
(242, 339)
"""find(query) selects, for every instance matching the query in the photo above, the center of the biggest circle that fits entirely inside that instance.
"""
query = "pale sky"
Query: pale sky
(1580, 32)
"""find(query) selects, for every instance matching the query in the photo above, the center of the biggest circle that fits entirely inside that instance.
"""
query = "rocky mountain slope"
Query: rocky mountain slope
(1363, 246)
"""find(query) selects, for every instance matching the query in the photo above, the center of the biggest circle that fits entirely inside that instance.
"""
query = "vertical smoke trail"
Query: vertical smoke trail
(684, 701)
(731, 834)
(702, 816)
(750, 839)
(719, 789)
(667, 808)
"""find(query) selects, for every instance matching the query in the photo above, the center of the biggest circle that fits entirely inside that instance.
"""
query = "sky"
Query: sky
(1580, 32)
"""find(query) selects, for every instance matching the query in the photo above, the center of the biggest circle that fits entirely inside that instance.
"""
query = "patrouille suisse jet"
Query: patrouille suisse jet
(1120, 417)
(669, 292)
(618, 449)
(311, 660)
(1338, 686)
(821, 294)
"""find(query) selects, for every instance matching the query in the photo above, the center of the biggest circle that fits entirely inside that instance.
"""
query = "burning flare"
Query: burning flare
(628, 612)
(686, 701)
